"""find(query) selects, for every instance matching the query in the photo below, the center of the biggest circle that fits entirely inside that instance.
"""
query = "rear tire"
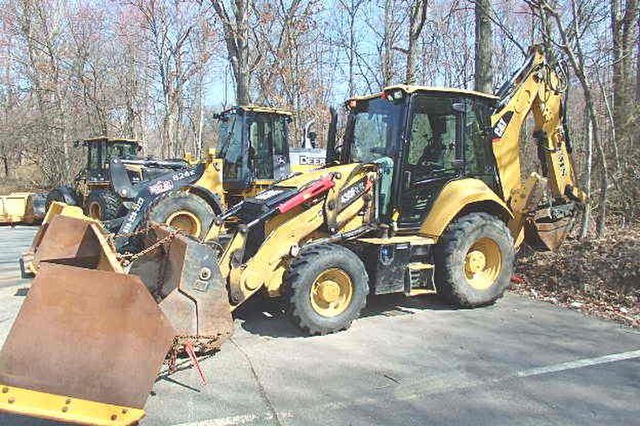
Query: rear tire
(474, 260)
(326, 288)
(104, 204)
(183, 211)
(63, 194)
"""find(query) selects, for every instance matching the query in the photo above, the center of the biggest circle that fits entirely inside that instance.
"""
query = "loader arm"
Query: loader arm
(327, 203)
(538, 89)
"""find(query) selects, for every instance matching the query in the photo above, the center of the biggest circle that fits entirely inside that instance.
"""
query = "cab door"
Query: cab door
(432, 155)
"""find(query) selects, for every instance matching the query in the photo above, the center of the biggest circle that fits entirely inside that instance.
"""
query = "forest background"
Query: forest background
(157, 71)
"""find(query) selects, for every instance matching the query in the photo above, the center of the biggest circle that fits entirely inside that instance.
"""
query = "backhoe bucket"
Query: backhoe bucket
(547, 235)
(90, 338)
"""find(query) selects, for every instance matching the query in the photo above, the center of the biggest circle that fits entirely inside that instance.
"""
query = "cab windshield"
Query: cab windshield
(373, 129)
(121, 150)
(230, 145)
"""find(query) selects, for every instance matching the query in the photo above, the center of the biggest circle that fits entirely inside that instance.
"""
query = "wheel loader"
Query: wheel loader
(186, 194)
(425, 194)
(254, 152)
(91, 187)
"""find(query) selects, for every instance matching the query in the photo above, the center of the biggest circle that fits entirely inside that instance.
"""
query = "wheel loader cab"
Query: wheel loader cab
(422, 139)
(253, 146)
(101, 151)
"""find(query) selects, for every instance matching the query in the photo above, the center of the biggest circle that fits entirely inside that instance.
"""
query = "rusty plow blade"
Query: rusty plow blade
(90, 338)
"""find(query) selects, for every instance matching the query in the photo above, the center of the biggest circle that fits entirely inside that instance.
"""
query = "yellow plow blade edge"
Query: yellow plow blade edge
(62, 408)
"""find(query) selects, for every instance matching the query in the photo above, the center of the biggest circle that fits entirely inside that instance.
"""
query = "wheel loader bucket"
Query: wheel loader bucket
(184, 276)
(90, 338)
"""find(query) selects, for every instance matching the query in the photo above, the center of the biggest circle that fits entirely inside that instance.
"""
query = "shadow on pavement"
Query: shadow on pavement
(15, 420)
(22, 292)
(266, 317)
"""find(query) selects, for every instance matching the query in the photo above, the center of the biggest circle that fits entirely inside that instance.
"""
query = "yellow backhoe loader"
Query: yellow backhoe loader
(424, 195)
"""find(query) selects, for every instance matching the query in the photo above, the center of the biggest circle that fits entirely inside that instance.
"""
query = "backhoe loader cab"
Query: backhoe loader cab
(423, 138)
(253, 144)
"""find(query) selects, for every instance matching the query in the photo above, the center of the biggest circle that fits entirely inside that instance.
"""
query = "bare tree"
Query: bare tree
(352, 9)
(624, 15)
(483, 47)
(417, 18)
(235, 24)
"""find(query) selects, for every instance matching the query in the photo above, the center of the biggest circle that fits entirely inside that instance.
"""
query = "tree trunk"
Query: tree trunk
(623, 18)
(483, 72)
(586, 218)
(352, 46)
(387, 54)
(236, 36)
(417, 18)
(5, 166)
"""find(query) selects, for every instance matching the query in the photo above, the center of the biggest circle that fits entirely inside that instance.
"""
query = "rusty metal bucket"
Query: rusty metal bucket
(184, 277)
(63, 234)
(544, 234)
(91, 333)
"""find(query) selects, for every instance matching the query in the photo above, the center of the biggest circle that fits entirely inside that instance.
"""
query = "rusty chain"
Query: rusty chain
(204, 343)
(127, 258)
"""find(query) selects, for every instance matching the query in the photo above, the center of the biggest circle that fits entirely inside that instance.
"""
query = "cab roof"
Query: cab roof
(262, 109)
(410, 89)
(96, 139)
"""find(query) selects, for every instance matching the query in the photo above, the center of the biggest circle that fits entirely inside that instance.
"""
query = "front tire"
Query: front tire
(326, 288)
(474, 260)
(104, 204)
(63, 194)
(184, 211)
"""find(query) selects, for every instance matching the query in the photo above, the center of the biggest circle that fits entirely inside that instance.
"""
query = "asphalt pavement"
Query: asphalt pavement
(407, 361)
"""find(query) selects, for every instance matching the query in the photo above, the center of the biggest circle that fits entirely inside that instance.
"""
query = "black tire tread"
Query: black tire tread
(63, 193)
(179, 196)
(293, 284)
(456, 233)
(110, 203)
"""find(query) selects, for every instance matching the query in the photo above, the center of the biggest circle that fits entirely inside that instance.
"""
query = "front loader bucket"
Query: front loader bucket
(89, 339)
(184, 277)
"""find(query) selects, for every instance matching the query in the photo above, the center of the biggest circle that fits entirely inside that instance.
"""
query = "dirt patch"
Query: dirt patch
(599, 277)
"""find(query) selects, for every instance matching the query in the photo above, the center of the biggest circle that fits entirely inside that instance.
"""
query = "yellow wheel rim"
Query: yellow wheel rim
(483, 263)
(186, 222)
(95, 211)
(331, 292)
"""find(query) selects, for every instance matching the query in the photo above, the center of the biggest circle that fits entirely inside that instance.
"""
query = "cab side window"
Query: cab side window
(478, 155)
(260, 151)
(433, 136)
